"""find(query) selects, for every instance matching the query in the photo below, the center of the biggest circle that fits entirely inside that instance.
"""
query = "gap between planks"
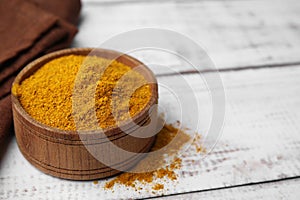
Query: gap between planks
(288, 190)
(279, 65)
(228, 187)
(234, 33)
(118, 2)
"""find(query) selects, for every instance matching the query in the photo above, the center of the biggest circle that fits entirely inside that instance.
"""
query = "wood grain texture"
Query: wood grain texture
(260, 142)
(235, 34)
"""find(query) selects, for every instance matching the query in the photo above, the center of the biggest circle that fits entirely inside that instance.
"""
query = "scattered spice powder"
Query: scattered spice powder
(47, 94)
(96, 182)
(197, 144)
(164, 137)
(158, 187)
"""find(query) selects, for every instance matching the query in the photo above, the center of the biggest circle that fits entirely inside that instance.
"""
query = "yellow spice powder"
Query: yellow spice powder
(164, 138)
(47, 94)
(158, 187)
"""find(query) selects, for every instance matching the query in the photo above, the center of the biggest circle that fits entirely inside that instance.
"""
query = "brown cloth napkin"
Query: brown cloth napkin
(29, 29)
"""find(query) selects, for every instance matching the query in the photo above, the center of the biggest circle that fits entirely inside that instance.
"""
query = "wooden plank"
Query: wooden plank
(234, 33)
(260, 142)
(288, 189)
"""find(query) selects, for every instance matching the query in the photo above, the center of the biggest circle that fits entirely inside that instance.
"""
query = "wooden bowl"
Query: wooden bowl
(63, 153)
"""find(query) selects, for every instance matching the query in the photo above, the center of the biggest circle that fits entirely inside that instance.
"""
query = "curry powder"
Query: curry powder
(48, 93)
(164, 170)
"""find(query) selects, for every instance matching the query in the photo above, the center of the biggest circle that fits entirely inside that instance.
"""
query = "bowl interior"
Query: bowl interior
(140, 118)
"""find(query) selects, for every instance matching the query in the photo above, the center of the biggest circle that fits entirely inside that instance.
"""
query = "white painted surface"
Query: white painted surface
(235, 33)
(260, 142)
(261, 139)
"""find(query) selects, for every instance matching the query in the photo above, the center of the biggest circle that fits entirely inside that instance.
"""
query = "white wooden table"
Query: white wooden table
(256, 46)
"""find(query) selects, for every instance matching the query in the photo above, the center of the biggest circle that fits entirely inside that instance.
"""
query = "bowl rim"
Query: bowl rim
(54, 132)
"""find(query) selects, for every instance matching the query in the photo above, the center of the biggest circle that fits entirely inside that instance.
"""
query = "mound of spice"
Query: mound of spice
(163, 172)
(47, 94)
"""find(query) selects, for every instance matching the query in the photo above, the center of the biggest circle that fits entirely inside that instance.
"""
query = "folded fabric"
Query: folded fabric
(29, 29)
(5, 123)
(66, 9)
